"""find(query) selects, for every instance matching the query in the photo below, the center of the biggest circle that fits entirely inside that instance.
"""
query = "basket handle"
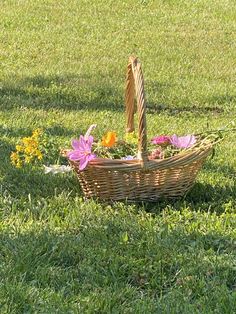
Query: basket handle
(135, 85)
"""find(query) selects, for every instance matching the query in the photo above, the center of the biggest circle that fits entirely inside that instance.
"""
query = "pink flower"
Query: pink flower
(161, 140)
(182, 141)
(156, 154)
(82, 151)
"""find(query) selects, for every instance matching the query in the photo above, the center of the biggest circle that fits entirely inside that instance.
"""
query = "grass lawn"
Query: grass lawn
(62, 68)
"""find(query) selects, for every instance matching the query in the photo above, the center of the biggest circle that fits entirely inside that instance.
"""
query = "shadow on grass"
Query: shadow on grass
(22, 183)
(91, 260)
(90, 255)
(55, 130)
(29, 181)
(68, 92)
(184, 108)
(214, 194)
(87, 92)
(203, 196)
(215, 105)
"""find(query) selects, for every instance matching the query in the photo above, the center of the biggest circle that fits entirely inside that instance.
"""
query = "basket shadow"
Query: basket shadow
(217, 194)
(202, 196)
(206, 194)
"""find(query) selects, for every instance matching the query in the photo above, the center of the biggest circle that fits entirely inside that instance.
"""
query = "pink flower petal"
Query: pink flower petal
(91, 157)
(183, 141)
(75, 144)
(83, 163)
(82, 143)
(192, 141)
(90, 140)
(74, 155)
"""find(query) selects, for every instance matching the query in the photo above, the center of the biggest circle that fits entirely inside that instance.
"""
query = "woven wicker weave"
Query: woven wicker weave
(141, 179)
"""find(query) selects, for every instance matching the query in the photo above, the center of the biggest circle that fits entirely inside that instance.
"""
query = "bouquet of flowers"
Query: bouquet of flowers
(39, 148)
(35, 150)
(86, 148)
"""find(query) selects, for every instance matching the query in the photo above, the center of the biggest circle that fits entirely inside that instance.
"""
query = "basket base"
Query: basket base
(137, 186)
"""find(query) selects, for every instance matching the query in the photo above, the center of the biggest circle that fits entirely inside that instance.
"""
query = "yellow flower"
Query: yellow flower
(19, 148)
(14, 156)
(29, 150)
(28, 159)
(131, 138)
(39, 155)
(37, 132)
(15, 159)
(26, 140)
(18, 164)
(109, 139)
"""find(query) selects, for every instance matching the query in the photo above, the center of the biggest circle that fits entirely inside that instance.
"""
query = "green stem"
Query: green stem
(215, 131)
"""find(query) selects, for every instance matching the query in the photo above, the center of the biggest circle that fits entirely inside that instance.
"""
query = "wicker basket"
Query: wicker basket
(141, 179)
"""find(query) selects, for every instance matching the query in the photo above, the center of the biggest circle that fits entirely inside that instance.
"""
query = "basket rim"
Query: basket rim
(183, 158)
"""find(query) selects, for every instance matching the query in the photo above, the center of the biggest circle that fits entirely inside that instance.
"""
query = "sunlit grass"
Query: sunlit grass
(63, 68)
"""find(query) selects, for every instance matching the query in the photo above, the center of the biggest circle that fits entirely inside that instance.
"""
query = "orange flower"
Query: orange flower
(109, 139)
